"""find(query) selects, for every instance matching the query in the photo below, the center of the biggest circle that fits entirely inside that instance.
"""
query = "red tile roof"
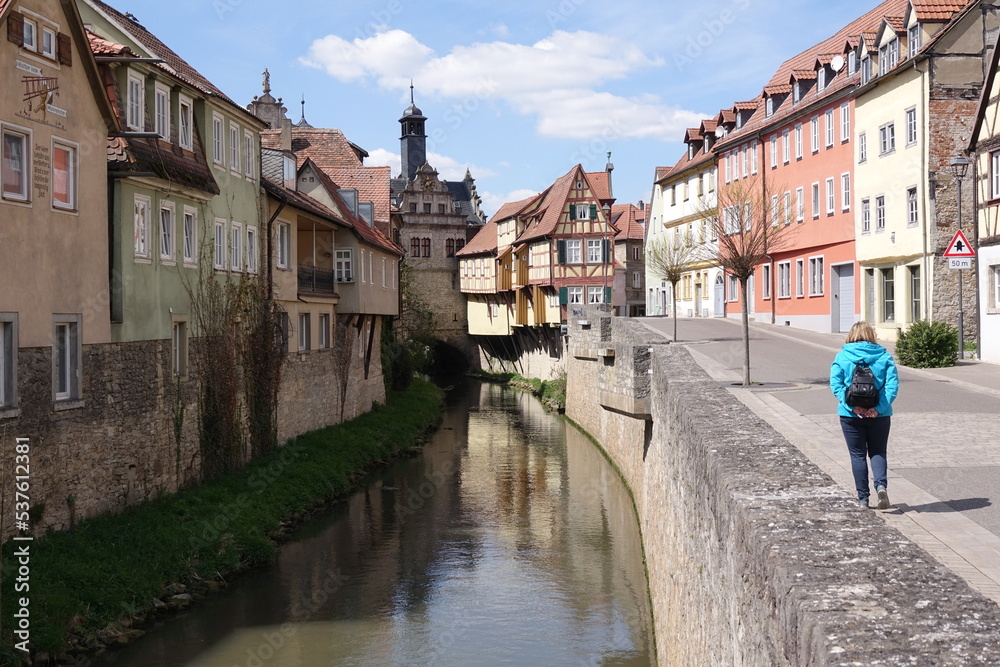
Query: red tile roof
(896, 23)
(778, 89)
(708, 125)
(693, 134)
(600, 184)
(627, 218)
(172, 62)
(802, 66)
(484, 242)
(937, 10)
(662, 172)
(545, 216)
(749, 105)
(105, 47)
(512, 208)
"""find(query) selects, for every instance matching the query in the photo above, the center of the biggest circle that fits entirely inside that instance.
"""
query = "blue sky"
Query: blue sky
(518, 92)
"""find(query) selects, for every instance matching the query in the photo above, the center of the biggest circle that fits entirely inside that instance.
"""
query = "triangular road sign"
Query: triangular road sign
(959, 246)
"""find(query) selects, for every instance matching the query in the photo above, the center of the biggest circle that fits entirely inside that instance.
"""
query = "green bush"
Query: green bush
(928, 345)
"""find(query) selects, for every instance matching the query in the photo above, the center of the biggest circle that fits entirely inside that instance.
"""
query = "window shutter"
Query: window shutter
(563, 296)
(561, 251)
(605, 251)
(607, 295)
(593, 211)
(15, 28)
(65, 45)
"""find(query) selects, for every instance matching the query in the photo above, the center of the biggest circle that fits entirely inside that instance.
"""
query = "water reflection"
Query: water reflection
(510, 540)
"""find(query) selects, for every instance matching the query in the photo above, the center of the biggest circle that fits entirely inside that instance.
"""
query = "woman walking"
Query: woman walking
(866, 429)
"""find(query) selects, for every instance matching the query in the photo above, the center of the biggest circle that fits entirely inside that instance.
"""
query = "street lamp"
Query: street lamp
(959, 165)
(611, 255)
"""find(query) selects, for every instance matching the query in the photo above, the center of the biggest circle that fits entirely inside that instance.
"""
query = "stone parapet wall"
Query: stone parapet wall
(754, 555)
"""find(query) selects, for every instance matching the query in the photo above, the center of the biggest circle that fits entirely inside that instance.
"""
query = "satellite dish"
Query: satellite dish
(837, 63)
(720, 132)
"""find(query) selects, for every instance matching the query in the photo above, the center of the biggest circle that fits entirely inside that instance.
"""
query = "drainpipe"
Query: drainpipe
(282, 200)
(924, 149)
(975, 260)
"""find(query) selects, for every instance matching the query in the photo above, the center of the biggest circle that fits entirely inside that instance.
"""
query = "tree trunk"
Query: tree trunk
(746, 332)
(673, 288)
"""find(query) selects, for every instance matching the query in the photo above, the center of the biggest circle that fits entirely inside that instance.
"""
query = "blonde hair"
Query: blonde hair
(861, 331)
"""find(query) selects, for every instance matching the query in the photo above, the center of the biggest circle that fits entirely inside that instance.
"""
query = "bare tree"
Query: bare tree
(669, 256)
(750, 227)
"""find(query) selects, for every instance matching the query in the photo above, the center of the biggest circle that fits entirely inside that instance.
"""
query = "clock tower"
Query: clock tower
(413, 139)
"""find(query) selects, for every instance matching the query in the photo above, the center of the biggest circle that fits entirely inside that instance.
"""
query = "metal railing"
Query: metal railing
(316, 281)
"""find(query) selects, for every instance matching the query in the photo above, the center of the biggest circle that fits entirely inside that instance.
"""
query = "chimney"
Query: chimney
(642, 205)
(609, 168)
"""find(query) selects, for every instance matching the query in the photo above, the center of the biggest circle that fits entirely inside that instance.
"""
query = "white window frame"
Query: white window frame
(845, 191)
(787, 217)
(189, 230)
(305, 332)
(862, 148)
(161, 111)
(913, 39)
(785, 279)
(221, 244)
(324, 331)
(866, 216)
(743, 161)
(595, 294)
(816, 276)
(911, 126)
(774, 151)
(581, 212)
(828, 119)
(344, 265)
(574, 295)
(733, 289)
(995, 287)
(185, 122)
(167, 235)
(574, 251)
(72, 177)
(880, 213)
(218, 139)
(814, 134)
(594, 251)
(236, 246)
(798, 141)
(29, 35)
(47, 45)
(248, 155)
(845, 122)
(815, 200)
(24, 195)
(887, 138)
(371, 268)
(179, 348)
(785, 148)
(912, 207)
(800, 204)
(252, 249)
(384, 284)
(831, 197)
(142, 220)
(136, 103)
(995, 175)
(753, 159)
(800, 277)
(284, 243)
(66, 357)
(234, 147)
(765, 282)
(361, 264)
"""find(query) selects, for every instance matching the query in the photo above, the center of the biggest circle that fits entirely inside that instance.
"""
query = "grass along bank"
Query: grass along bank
(95, 585)
(552, 393)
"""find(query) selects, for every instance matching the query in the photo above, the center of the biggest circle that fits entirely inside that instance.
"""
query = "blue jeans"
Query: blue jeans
(867, 438)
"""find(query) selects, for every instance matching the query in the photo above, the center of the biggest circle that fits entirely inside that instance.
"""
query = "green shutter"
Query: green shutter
(593, 211)
(605, 250)
(563, 296)
(607, 295)
(561, 251)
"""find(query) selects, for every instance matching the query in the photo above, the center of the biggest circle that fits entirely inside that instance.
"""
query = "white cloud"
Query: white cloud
(555, 80)
(448, 168)
(493, 202)
(381, 157)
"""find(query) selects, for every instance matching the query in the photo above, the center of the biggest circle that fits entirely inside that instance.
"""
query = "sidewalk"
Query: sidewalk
(944, 449)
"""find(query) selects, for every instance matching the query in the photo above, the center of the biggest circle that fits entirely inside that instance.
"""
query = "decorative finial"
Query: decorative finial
(267, 82)
(303, 106)
(411, 91)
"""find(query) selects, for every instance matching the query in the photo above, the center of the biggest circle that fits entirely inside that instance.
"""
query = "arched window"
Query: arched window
(415, 246)
(427, 246)
(449, 247)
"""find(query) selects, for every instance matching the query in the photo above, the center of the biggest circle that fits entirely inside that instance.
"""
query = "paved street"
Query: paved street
(944, 448)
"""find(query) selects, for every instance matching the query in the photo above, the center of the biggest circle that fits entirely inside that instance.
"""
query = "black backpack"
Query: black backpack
(862, 392)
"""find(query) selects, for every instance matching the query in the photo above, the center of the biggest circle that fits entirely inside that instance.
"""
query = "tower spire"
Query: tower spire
(411, 91)
(303, 122)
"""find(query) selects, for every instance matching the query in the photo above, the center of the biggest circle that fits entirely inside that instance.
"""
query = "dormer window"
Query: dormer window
(852, 63)
(769, 106)
(691, 151)
(821, 78)
(888, 55)
(866, 69)
(913, 39)
(796, 92)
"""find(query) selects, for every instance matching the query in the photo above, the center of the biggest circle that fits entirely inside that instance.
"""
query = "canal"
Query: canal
(509, 540)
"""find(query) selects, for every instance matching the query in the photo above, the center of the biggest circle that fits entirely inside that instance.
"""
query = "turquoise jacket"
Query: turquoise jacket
(883, 368)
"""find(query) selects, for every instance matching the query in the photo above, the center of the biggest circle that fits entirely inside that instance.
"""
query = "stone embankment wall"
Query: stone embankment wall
(533, 352)
(754, 555)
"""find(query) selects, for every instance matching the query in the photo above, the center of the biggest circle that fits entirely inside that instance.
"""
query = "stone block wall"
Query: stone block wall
(754, 555)
(533, 352)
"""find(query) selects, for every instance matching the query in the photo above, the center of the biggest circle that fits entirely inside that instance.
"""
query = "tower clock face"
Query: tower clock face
(428, 183)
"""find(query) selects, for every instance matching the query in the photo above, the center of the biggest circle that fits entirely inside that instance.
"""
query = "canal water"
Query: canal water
(509, 541)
